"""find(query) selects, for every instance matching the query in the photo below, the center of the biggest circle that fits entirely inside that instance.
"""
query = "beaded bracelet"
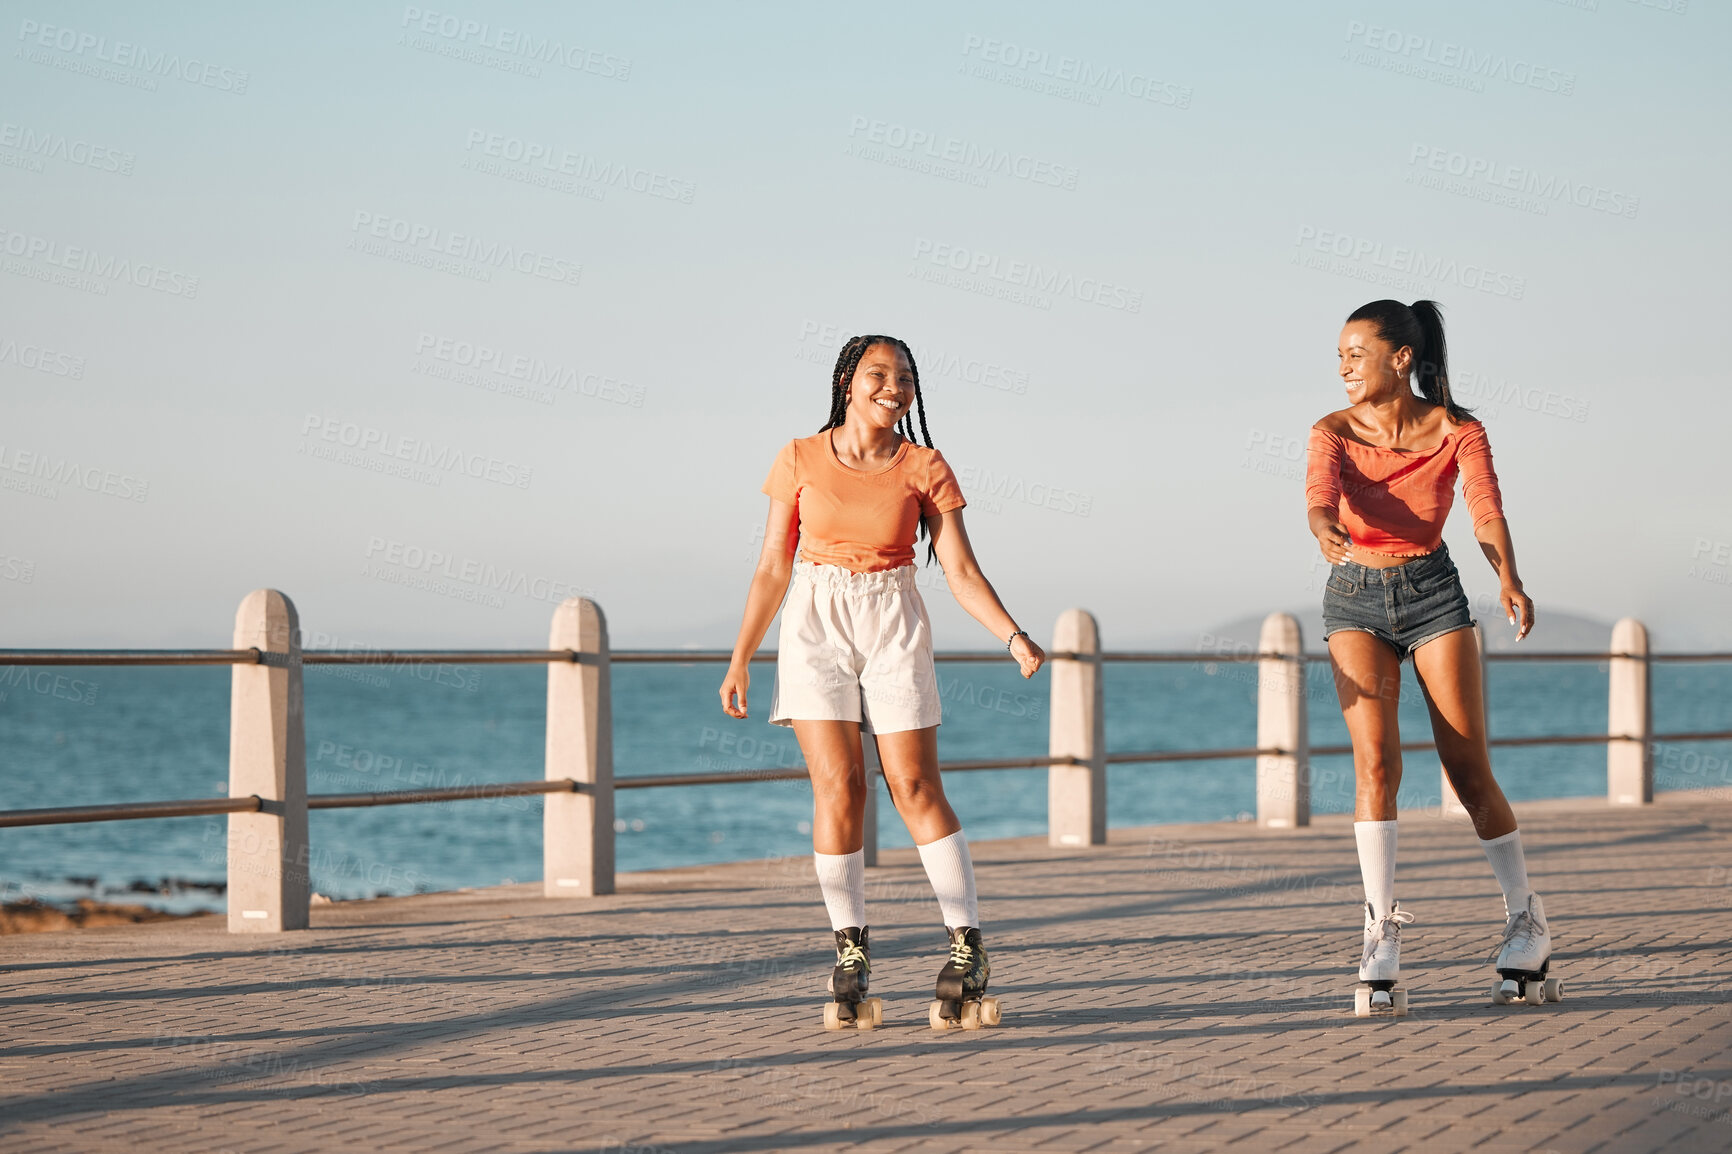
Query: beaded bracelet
(1012, 639)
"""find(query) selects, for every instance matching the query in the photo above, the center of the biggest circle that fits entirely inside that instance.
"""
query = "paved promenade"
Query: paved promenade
(1185, 988)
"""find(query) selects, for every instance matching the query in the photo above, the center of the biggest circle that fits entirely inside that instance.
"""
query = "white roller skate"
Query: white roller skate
(1380, 990)
(1523, 956)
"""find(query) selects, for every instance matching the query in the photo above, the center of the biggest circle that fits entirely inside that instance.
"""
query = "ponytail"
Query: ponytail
(1418, 326)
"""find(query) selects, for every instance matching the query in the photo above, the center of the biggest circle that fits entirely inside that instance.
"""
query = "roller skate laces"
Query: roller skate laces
(961, 989)
(849, 1005)
(1526, 940)
(1382, 958)
(1380, 990)
(853, 963)
(1523, 957)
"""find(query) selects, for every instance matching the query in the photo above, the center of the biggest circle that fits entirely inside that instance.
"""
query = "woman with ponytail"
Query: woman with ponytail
(855, 656)
(1380, 479)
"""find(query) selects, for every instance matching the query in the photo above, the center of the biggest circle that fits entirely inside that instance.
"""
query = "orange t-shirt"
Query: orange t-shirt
(1395, 501)
(863, 522)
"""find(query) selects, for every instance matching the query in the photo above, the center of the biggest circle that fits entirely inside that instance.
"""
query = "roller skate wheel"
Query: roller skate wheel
(935, 1015)
(989, 1013)
(1503, 992)
(1401, 1003)
(1362, 1002)
(1534, 993)
(870, 1014)
(1554, 989)
(971, 1015)
(832, 1017)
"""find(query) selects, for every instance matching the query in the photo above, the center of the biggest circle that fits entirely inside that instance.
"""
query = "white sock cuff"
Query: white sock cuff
(951, 872)
(842, 878)
(1509, 862)
(945, 844)
(1376, 841)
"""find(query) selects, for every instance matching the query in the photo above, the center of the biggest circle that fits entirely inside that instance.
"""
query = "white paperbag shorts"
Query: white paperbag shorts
(855, 647)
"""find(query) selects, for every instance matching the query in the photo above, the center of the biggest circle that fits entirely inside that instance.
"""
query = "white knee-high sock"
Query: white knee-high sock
(842, 877)
(1511, 867)
(951, 872)
(1377, 863)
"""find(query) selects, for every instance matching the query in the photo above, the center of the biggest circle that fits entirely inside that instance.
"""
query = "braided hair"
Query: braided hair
(846, 362)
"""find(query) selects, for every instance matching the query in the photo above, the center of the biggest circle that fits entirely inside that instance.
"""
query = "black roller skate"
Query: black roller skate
(961, 997)
(850, 1007)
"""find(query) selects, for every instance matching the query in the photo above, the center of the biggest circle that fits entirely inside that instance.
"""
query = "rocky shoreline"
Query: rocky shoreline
(31, 916)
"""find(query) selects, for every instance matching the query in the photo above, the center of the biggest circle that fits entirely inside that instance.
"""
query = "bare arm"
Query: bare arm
(763, 599)
(974, 592)
(1494, 541)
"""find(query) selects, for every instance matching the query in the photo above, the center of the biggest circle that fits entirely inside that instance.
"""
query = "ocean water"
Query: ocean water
(85, 736)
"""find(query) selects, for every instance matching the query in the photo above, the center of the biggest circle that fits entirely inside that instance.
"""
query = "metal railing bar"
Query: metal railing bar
(1181, 657)
(679, 656)
(683, 656)
(1540, 655)
(1545, 739)
(1153, 756)
(480, 791)
(653, 781)
(1553, 739)
(1722, 735)
(130, 811)
(1494, 742)
(1010, 763)
(440, 656)
(657, 780)
(720, 656)
(129, 656)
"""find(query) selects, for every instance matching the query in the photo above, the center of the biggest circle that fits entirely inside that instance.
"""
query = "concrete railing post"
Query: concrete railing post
(874, 777)
(1630, 715)
(1451, 804)
(1283, 779)
(268, 855)
(1076, 795)
(577, 828)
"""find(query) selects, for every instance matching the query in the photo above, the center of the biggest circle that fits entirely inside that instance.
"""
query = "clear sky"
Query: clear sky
(431, 315)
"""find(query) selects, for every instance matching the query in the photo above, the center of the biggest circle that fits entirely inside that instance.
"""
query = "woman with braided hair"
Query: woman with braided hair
(856, 655)
(1378, 486)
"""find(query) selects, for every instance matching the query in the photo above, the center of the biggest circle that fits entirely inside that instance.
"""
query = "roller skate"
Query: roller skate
(849, 1007)
(1523, 956)
(961, 996)
(1380, 990)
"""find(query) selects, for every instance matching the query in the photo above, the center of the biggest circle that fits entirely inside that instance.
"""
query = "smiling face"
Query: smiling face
(882, 388)
(1370, 369)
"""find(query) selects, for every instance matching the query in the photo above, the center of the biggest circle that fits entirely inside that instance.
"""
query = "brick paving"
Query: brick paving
(1185, 988)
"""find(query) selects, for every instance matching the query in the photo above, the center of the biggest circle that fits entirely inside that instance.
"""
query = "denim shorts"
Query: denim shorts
(1406, 605)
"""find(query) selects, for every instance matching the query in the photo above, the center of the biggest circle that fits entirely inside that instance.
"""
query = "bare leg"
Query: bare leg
(1368, 682)
(1449, 672)
(910, 761)
(838, 771)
